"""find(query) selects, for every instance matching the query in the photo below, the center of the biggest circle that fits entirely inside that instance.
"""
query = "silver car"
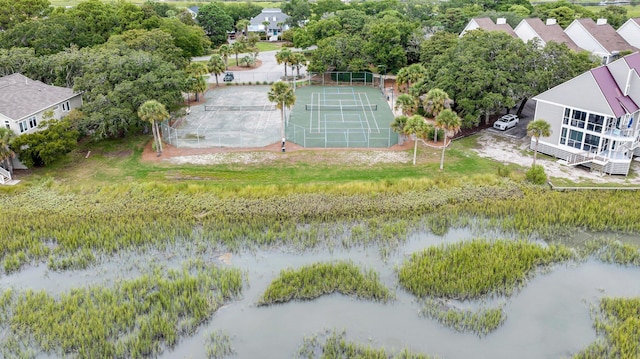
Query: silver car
(506, 122)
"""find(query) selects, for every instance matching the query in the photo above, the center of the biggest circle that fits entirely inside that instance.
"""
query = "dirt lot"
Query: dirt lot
(503, 149)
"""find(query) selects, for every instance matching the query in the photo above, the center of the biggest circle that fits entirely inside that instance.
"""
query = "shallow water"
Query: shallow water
(548, 318)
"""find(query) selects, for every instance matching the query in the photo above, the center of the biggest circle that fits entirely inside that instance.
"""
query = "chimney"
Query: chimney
(601, 22)
(551, 21)
(501, 21)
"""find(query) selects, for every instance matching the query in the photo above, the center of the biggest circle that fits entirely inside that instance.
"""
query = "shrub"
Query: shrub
(536, 175)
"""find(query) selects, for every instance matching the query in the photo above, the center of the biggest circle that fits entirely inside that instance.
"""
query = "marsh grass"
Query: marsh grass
(471, 270)
(334, 344)
(133, 319)
(617, 321)
(318, 279)
(612, 251)
(481, 322)
(218, 345)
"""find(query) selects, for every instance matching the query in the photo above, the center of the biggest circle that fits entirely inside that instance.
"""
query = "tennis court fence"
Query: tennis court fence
(341, 138)
(314, 107)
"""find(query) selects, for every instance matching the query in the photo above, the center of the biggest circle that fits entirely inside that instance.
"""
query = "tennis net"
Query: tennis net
(240, 108)
(312, 107)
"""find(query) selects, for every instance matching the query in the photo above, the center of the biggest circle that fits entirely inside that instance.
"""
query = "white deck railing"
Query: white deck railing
(5, 176)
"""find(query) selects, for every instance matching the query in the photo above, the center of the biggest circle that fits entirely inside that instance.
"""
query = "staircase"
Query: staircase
(585, 157)
(5, 176)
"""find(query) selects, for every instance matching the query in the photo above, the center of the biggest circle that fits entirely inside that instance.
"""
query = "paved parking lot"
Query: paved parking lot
(520, 131)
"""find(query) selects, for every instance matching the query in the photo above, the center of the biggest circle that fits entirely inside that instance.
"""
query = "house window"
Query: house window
(563, 136)
(575, 139)
(567, 115)
(266, 18)
(595, 123)
(274, 18)
(32, 122)
(23, 126)
(65, 106)
(591, 142)
(6, 124)
(578, 119)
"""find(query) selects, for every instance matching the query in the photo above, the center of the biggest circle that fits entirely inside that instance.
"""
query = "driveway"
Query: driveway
(520, 131)
(269, 70)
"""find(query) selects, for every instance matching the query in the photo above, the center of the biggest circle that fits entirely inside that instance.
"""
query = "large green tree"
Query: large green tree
(215, 22)
(54, 140)
(13, 12)
(154, 112)
(282, 95)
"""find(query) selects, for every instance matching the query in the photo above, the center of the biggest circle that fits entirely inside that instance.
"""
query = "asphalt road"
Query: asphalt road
(520, 131)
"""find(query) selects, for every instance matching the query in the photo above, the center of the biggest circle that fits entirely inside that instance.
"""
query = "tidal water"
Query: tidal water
(548, 318)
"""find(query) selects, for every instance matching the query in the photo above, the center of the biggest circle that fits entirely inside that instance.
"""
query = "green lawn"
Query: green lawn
(119, 161)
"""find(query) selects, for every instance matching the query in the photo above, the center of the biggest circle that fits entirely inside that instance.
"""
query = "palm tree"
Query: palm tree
(282, 95)
(411, 74)
(297, 60)
(406, 103)
(153, 111)
(225, 51)
(196, 82)
(399, 124)
(538, 128)
(6, 154)
(238, 47)
(450, 123)
(434, 102)
(284, 57)
(266, 29)
(216, 66)
(243, 25)
(417, 127)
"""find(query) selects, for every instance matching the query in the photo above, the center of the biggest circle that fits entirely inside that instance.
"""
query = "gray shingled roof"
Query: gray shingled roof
(270, 12)
(486, 23)
(553, 33)
(606, 35)
(20, 96)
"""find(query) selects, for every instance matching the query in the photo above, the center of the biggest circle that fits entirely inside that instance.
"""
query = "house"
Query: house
(276, 19)
(193, 11)
(598, 38)
(630, 31)
(545, 32)
(487, 24)
(594, 117)
(24, 102)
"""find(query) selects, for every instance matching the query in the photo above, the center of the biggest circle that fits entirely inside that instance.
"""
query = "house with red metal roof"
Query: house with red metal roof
(630, 31)
(599, 38)
(594, 117)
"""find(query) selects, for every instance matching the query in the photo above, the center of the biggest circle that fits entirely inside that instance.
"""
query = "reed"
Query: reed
(471, 270)
(135, 318)
(617, 322)
(612, 251)
(334, 344)
(218, 345)
(480, 322)
(319, 279)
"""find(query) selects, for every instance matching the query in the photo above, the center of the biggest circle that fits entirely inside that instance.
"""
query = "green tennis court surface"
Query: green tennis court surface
(341, 117)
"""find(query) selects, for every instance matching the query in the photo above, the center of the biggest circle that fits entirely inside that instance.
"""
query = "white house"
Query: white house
(487, 24)
(276, 19)
(630, 31)
(534, 28)
(599, 38)
(594, 117)
(23, 102)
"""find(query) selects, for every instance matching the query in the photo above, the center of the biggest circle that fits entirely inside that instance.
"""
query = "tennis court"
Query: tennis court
(233, 116)
(341, 117)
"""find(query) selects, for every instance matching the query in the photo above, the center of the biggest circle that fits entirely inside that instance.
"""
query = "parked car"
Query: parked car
(506, 122)
(228, 77)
